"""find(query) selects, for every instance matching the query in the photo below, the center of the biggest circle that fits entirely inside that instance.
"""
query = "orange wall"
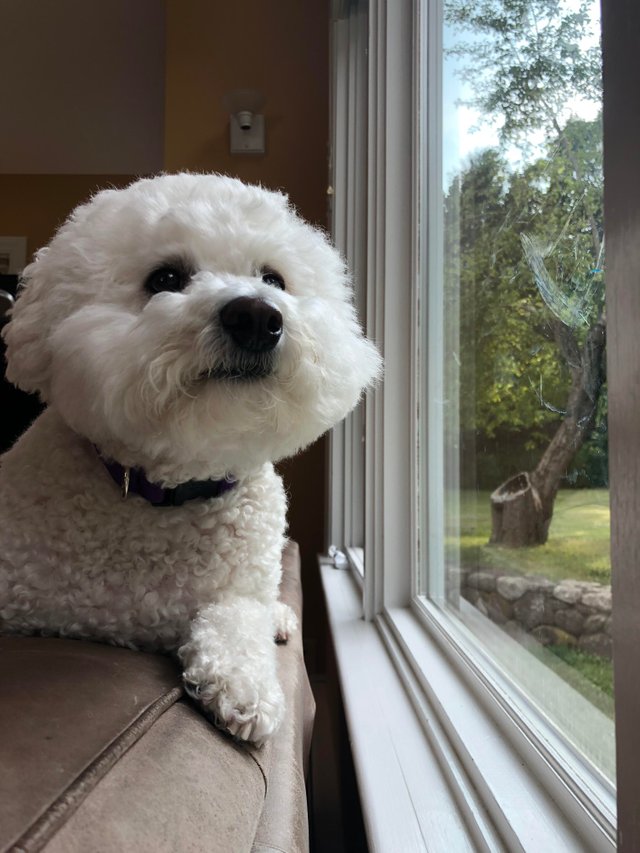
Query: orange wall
(277, 46)
(33, 206)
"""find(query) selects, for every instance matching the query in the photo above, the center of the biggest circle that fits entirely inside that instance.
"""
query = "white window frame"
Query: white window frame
(509, 786)
(349, 211)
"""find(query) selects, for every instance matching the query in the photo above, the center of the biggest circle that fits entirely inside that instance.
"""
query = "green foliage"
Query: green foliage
(526, 59)
(487, 461)
(507, 349)
(566, 205)
(524, 246)
(590, 467)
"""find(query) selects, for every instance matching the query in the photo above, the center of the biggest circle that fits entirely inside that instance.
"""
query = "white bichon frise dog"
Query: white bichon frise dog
(186, 333)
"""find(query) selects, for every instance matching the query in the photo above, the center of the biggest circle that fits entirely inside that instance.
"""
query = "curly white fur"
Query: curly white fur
(155, 382)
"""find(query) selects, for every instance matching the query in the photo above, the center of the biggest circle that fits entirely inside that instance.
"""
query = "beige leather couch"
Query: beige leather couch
(101, 751)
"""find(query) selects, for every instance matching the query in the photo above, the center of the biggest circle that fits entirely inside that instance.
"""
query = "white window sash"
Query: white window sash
(348, 171)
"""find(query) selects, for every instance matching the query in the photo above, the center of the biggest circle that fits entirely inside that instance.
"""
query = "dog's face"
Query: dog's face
(192, 325)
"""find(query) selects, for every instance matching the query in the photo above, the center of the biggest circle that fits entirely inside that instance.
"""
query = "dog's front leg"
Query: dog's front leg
(229, 665)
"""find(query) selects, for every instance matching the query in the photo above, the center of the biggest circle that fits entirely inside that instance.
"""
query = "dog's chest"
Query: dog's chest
(79, 560)
(131, 544)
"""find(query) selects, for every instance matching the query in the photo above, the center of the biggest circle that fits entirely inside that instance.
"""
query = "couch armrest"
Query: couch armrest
(101, 751)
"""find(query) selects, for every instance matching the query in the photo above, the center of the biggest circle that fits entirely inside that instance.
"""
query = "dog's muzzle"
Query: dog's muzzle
(253, 324)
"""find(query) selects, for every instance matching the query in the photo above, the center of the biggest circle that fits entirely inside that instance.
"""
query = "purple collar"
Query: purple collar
(134, 480)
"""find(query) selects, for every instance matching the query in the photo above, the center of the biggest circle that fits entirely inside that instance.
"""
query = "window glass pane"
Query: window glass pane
(518, 401)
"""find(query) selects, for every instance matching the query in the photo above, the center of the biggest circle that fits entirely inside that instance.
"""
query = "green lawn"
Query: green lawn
(578, 548)
(597, 671)
(578, 545)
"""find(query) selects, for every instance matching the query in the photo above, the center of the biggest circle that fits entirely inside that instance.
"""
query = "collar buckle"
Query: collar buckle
(126, 479)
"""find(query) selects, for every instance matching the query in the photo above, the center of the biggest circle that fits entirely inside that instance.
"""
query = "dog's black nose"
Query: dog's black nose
(254, 324)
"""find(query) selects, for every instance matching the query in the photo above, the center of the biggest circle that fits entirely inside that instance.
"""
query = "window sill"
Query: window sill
(423, 784)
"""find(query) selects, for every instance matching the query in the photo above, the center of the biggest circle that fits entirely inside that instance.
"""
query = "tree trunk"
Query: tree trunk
(516, 513)
(522, 507)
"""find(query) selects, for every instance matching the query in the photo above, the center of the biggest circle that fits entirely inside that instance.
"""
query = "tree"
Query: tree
(499, 310)
(525, 60)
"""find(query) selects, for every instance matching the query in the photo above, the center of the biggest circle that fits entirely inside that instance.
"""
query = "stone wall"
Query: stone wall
(572, 613)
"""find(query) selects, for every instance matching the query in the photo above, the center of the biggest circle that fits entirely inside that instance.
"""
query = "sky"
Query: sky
(465, 130)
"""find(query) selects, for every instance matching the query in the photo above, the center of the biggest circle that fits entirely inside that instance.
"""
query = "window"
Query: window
(515, 525)
(479, 259)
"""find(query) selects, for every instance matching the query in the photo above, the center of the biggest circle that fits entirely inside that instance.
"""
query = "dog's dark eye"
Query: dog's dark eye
(274, 278)
(167, 278)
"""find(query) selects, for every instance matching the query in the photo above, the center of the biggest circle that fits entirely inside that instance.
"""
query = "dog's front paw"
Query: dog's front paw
(230, 667)
(246, 711)
(285, 622)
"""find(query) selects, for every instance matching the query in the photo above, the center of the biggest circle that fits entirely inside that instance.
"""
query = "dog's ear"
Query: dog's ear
(27, 333)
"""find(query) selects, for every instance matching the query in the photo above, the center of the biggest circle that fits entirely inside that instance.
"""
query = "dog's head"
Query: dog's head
(192, 325)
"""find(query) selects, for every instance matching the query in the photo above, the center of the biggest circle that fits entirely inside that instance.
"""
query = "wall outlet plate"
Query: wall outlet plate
(247, 141)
